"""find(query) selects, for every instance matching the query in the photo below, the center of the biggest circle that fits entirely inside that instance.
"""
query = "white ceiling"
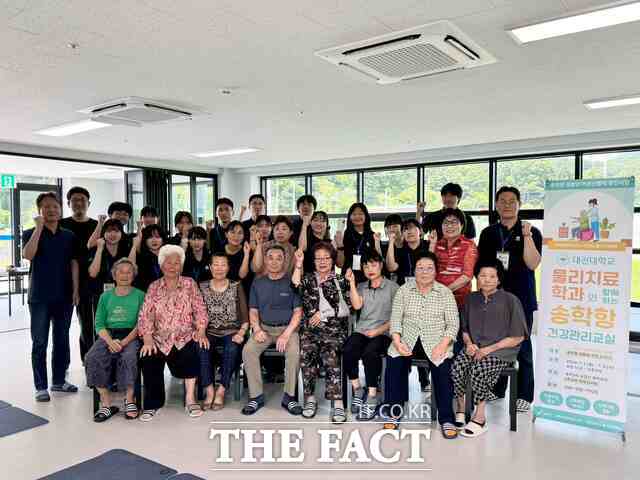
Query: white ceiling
(293, 105)
(39, 167)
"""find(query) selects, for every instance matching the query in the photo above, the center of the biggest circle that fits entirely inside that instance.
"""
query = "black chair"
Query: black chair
(137, 390)
(269, 352)
(512, 373)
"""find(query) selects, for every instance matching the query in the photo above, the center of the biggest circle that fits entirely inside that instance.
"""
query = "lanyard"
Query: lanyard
(359, 248)
(504, 241)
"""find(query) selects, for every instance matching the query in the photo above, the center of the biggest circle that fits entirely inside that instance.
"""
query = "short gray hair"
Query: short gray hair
(124, 261)
(167, 251)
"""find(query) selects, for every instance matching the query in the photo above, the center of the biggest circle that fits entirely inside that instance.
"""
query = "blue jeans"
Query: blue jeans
(595, 226)
(209, 358)
(42, 315)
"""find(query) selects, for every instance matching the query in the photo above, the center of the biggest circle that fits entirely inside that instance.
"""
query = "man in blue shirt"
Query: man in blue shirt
(275, 311)
(518, 245)
(54, 290)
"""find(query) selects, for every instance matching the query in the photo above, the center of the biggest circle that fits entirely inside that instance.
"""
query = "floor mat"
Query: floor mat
(114, 465)
(4, 404)
(14, 420)
(186, 476)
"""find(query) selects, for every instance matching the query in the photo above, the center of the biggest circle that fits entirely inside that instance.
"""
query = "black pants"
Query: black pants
(370, 350)
(396, 382)
(183, 363)
(525, 369)
(86, 312)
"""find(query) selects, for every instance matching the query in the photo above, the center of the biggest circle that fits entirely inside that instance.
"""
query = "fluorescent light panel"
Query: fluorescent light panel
(221, 153)
(72, 128)
(606, 17)
(613, 102)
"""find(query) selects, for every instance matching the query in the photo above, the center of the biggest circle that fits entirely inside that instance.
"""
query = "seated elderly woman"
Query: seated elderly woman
(115, 324)
(424, 325)
(227, 326)
(172, 324)
(493, 326)
(326, 307)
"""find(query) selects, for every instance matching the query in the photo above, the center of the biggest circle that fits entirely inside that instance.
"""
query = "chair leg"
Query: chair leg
(434, 404)
(96, 400)
(468, 402)
(346, 388)
(513, 397)
(237, 385)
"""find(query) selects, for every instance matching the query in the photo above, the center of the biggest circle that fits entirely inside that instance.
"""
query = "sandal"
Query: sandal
(391, 424)
(194, 410)
(130, 408)
(461, 419)
(338, 415)
(217, 405)
(310, 409)
(449, 431)
(105, 413)
(147, 415)
(358, 400)
(474, 429)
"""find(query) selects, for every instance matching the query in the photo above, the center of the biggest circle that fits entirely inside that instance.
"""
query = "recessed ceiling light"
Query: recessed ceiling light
(72, 128)
(220, 153)
(606, 17)
(612, 102)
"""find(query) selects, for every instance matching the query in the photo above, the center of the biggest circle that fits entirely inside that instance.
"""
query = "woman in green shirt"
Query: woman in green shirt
(116, 326)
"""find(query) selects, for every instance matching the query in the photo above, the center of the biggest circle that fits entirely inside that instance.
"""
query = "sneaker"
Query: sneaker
(253, 405)
(65, 387)
(426, 388)
(42, 396)
(522, 406)
(291, 405)
(358, 399)
(147, 415)
(367, 412)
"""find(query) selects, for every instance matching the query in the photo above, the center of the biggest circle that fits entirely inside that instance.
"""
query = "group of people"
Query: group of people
(219, 296)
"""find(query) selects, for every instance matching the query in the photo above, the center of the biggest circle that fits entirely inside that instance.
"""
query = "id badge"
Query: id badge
(409, 279)
(504, 258)
(355, 265)
(108, 286)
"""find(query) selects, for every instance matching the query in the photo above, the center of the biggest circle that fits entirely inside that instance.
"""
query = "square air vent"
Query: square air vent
(136, 111)
(417, 52)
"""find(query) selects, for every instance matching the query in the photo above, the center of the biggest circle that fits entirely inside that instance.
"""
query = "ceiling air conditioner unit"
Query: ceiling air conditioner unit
(135, 111)
(417, 52)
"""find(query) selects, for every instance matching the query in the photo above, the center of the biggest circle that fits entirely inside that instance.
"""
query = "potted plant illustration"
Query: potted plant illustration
(606, 227)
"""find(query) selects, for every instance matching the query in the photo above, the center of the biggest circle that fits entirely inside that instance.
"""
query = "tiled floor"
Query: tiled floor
(543, 450)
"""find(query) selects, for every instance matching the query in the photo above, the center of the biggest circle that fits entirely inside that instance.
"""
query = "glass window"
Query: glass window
(180, 196)
(472, 177)
(529, 176)
(335, 193)
(205, 195)
(135, 196)
(635, 288)
(282, 194)
(391, 190)
(480, 222)
(613, 164)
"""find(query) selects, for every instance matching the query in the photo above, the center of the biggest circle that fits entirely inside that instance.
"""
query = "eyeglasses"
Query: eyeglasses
(510, 203)
(425, 269)
(451, 223)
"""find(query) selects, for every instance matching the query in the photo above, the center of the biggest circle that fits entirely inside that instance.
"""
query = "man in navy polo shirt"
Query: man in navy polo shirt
(518, 245)
(54, 290)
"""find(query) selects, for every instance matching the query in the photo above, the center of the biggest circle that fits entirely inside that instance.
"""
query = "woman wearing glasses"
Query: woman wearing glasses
(326, 306)
(424, 325)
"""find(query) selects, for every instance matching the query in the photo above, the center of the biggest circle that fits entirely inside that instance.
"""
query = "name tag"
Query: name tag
(356, 262)
(504, 258)
(108, 286)
(409, 279)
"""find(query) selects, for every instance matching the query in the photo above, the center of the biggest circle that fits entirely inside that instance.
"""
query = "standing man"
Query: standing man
(517, 245)
(258, 207)
(54, 290)
(217, 232)
(451, 195)
(120, 211)
(275, 311)
(82, 226)
(305, 205)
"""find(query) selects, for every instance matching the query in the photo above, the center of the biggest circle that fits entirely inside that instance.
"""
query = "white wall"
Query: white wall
(102, 192)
